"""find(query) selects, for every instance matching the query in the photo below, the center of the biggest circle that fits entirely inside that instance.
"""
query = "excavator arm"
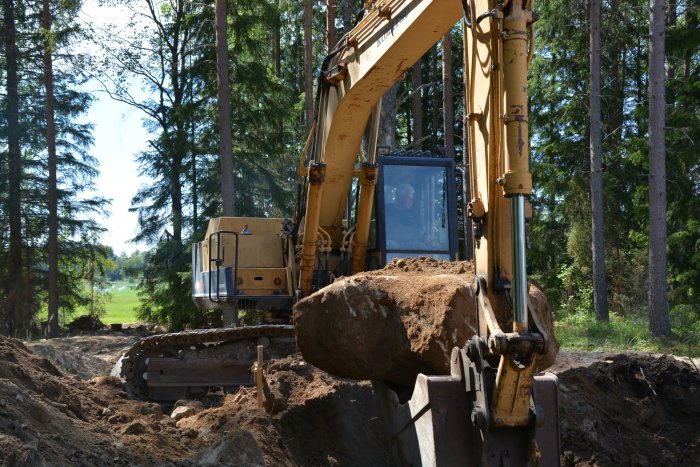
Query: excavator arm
(496, 368)
(390, 38)
(491, 409)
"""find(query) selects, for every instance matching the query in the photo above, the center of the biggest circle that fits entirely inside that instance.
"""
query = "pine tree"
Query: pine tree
(659, 324)
(600, 288)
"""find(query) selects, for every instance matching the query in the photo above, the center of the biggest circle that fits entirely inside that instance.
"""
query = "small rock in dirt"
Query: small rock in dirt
(119, 418)
(19, 398)
(106, 412)
(135, 428)
(3, 403)
(119, 446)
(182, 412)
(185, 411)
(197, 405)
(152, 409)
(190, 433)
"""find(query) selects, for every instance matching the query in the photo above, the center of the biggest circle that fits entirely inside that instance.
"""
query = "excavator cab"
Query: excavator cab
(416, 207)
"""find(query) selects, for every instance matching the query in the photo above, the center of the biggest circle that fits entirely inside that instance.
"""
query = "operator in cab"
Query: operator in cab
(403, 229)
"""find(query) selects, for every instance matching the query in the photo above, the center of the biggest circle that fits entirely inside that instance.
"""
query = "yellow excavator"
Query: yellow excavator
(492, 409)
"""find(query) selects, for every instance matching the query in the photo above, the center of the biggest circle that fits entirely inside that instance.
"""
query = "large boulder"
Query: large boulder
(392, 324)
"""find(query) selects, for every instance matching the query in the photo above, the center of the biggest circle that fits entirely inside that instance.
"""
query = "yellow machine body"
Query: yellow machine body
(268, 265)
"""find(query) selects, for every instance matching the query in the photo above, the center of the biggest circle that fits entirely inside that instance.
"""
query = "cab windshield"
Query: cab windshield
(415, 207)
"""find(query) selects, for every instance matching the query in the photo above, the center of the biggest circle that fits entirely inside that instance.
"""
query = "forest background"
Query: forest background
(275, 48)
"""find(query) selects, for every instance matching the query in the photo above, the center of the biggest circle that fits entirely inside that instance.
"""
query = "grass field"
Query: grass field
(122, 306)
(582, 332)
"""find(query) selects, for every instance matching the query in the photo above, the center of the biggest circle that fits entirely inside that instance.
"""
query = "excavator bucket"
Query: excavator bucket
(438, 426)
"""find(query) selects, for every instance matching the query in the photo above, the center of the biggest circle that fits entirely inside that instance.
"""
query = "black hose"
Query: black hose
(466, 12)
(488, 14)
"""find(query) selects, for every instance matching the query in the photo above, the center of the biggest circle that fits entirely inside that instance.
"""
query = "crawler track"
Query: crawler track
(134, 364)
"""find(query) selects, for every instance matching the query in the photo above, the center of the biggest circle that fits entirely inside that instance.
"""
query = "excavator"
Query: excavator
(492, 409)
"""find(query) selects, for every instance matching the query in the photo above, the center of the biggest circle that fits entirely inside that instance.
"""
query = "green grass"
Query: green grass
(121, 308)
(581, 331)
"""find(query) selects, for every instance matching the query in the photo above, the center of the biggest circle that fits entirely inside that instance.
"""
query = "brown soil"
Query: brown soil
(628, 409)
(311, 418)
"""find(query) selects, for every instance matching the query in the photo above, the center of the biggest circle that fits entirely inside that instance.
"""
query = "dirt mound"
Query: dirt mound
(47, 418)
(630, 409)
(86, 323)
(394, 323)
(311, 418)
(84, 356)
(426, 266)
(626, 409)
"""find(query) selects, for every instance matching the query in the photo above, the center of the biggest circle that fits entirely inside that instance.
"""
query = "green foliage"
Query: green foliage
(559, 253)
(80, 255)
(576, 293)
(127, 267)
(581, 331)
(685, 323)
(164, 290)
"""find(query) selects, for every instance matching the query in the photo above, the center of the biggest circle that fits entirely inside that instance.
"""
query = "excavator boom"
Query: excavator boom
(491, 409)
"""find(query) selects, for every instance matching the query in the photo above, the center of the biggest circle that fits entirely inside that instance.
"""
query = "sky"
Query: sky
(118, 137)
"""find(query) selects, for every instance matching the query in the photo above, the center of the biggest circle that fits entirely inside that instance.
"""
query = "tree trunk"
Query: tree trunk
(447, 104)
(600, 286)
(176, 195)
(16, 289)
(417, 104)
(224, 100)
(277, 46)
(53, 190)
(195, 187)
(347, 15)
(659, 324)
(308, 65)
(330, 24)
(387, 121)
(435, 99)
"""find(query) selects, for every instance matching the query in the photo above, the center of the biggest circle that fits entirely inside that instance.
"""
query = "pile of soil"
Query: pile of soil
(405, 319)
(628, 409)
(310, 418)
(85, 356)
(48, 418)
(86, 323)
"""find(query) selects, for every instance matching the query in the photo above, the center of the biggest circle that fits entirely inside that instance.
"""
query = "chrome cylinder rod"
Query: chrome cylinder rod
(519, 290)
